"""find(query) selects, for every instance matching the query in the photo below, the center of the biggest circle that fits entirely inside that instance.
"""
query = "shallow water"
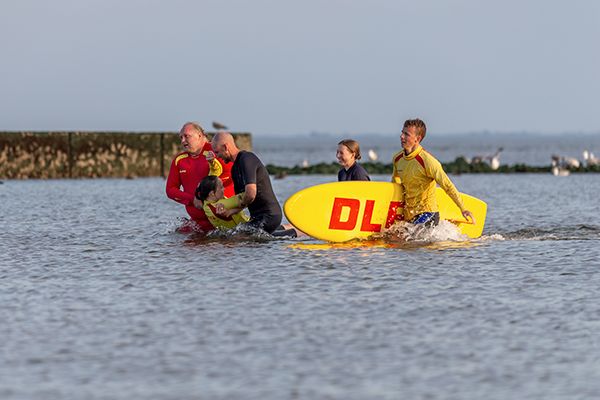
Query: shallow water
(101, 299)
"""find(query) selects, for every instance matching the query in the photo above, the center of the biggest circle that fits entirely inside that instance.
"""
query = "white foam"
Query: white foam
(492, 237)
(444, 232)
(243, 231)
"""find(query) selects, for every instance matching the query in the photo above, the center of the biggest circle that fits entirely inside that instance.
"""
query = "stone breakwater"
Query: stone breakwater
(48, 155)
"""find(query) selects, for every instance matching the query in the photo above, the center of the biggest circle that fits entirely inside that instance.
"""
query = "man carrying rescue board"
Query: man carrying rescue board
(417, 172)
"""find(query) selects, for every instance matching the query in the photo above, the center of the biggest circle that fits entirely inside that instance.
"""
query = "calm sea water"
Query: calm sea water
(102, 299)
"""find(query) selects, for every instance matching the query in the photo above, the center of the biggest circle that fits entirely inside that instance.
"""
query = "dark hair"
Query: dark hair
(419, 124)
(353, 146)
(207, 185)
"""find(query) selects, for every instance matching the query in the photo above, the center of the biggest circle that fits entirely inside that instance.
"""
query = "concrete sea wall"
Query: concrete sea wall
(43, 155)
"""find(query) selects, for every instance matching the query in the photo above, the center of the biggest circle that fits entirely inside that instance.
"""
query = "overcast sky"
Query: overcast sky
(290, 67)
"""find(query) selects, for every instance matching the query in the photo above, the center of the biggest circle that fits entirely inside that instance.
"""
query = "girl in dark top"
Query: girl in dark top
(348, 151)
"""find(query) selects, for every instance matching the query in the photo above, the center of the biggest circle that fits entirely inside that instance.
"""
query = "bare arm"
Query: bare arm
(221, 211)
(249, 195)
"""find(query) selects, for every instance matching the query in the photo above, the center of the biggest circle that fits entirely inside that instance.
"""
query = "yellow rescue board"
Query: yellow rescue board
(342, 211)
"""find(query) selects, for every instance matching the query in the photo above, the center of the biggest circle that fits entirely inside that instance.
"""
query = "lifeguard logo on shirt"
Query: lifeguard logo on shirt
(353, 207)
(182, 171)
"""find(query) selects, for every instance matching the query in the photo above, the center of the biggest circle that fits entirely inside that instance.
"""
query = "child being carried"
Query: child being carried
(222, 213)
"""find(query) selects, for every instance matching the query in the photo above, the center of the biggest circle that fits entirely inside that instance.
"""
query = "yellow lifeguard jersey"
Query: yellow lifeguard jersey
(225, 222)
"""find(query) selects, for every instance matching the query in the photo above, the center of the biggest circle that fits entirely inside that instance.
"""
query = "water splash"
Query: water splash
(404, 236)
(183, 225)
(417, 233)
(242, 233)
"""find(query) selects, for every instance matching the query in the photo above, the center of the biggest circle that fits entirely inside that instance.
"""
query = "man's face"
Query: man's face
(409, 138)
(191, 140)
(221, 150)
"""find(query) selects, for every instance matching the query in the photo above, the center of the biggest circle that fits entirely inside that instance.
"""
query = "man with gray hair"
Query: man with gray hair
(190, 167)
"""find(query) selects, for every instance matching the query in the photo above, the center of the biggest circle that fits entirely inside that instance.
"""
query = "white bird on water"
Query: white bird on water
(372, 155)
(560, 167)
(590, 159)
(570, 162)
(493, 160)
(556, 171)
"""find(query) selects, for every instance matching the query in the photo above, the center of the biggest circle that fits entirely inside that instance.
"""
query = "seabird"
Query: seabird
(218, 126)
(495, 159)
(559, 166)
(570, 162)
(372, 155)
(590, 159)
(492, 160)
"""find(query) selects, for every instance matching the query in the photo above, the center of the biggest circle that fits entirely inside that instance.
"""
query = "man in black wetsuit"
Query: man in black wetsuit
(250, 176)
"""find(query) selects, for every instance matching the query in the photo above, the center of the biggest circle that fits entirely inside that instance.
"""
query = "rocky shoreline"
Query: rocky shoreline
(458, 166)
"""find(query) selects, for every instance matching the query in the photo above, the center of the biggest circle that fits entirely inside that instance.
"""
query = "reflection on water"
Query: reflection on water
(102, 298)
(400, 235)
(388, 244)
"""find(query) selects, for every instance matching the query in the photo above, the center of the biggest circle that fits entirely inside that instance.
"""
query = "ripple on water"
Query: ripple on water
(104, 298)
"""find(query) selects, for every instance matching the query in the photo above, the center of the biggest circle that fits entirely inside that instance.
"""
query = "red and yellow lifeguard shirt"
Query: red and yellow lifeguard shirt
(186, 172)
(225, 222)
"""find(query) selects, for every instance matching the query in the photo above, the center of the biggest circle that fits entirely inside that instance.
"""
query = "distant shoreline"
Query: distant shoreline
(487, 134)
(458, 166)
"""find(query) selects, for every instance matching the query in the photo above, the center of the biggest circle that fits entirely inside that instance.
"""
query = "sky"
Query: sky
(294, 67)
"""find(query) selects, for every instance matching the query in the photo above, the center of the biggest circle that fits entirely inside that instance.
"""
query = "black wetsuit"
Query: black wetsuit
(354, 173)
(265, 211)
